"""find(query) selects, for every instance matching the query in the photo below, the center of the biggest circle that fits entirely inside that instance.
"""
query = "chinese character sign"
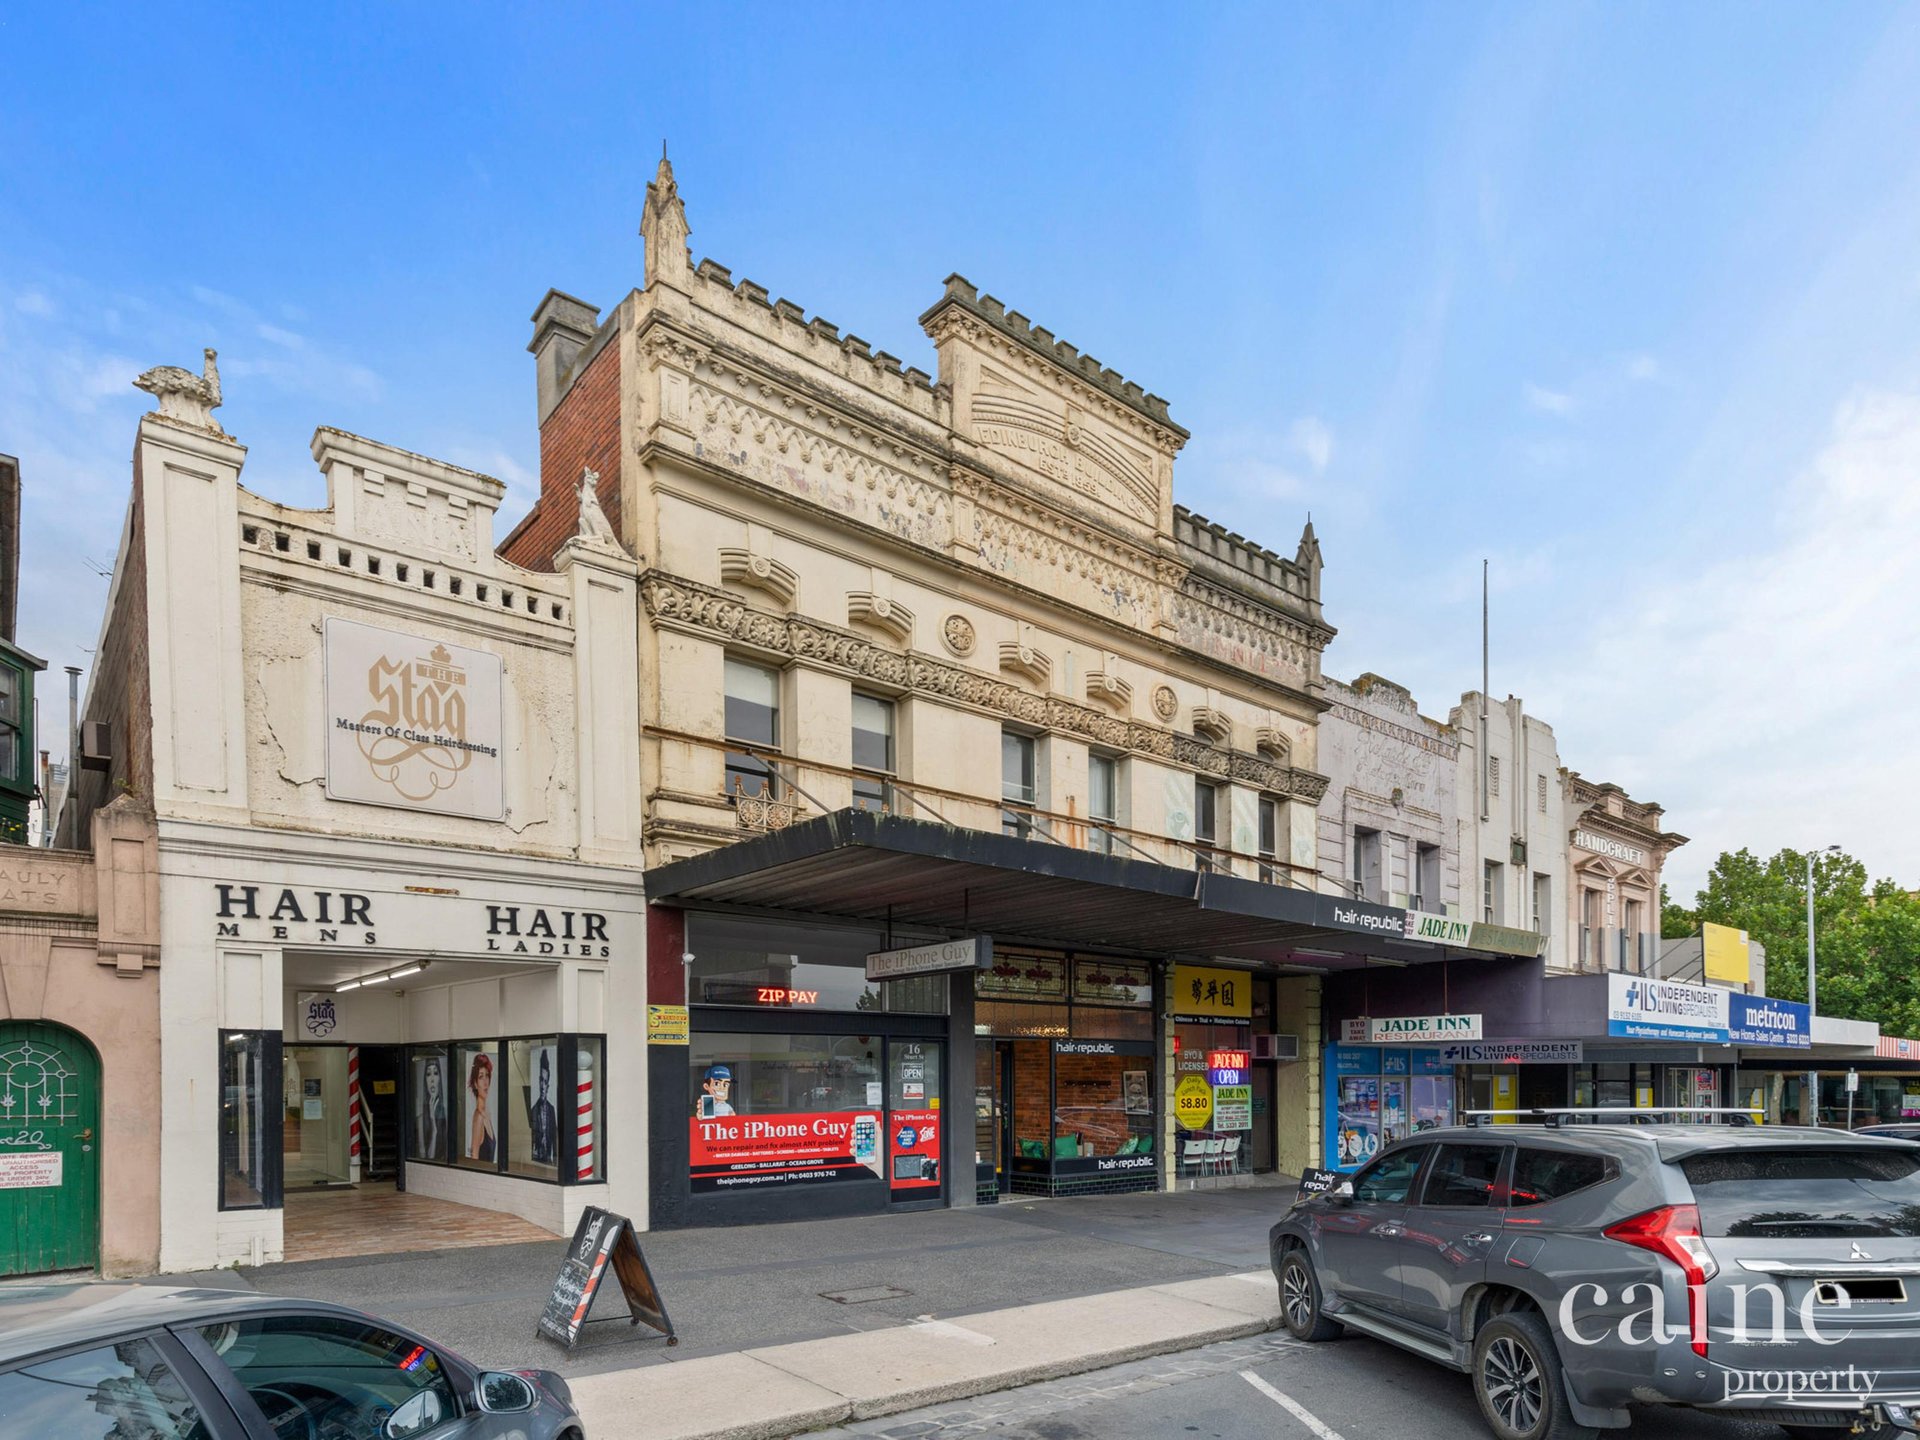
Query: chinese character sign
(1203, 993)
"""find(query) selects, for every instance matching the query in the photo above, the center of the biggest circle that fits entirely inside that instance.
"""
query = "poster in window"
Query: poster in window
(534, 1140)
(1139, 1098)
(429, 1090)
(1358, 1120)
(732, 1152)
(913, 1149)
(479, 1128)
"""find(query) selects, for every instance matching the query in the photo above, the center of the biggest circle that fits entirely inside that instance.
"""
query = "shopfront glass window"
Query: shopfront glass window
(476, 1129)
(768, 965)
(316, 1119)
(778, 1110)
(428, 1131)
(1103, 1104)
(583, 1118)
(251, 1097)
(1219, 1143)
(536, 1096)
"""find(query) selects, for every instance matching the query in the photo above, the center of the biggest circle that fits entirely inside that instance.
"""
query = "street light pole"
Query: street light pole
(1811, 1103)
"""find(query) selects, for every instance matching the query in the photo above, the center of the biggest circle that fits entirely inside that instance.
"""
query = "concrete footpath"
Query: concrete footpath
(789, 1389)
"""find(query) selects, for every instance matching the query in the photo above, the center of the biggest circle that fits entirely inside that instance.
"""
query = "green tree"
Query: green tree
(1868, 939)
(1677, 922)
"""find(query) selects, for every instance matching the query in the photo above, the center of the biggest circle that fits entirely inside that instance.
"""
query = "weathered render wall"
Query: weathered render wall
(79, 947)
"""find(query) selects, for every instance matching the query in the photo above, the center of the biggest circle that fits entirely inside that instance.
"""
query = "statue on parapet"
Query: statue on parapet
(186, 397)
(595, 528)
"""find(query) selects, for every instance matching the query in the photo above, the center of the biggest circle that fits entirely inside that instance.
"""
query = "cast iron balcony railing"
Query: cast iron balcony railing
(760, 813)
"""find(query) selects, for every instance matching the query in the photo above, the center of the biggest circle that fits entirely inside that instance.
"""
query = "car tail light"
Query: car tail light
(1674, 1231)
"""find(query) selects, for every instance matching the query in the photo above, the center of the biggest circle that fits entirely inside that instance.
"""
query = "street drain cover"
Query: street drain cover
(865, 1294)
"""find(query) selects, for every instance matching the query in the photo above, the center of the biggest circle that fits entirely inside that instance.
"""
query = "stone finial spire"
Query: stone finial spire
(1308, 558)
(663, 226)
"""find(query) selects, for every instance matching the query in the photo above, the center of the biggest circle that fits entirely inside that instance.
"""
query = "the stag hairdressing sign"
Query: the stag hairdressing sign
(413, 722)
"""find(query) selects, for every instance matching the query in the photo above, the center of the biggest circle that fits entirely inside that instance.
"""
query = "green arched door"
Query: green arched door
(49, 1149)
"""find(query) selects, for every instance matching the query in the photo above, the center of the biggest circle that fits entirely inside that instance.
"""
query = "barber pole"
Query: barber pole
(583, 1118)
(353, 1112)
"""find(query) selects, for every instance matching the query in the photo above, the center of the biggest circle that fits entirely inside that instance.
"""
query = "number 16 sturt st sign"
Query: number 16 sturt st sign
(412, 722)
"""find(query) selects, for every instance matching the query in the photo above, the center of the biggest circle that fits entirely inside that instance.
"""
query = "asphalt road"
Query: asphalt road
(1271, 1387)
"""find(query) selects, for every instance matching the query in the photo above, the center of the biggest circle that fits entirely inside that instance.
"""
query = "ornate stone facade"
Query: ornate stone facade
(798, 498)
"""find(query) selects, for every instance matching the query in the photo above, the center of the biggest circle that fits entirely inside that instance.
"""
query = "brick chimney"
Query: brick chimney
(562, 326)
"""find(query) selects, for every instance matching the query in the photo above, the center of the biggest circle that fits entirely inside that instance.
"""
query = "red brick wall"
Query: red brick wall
(582, 431)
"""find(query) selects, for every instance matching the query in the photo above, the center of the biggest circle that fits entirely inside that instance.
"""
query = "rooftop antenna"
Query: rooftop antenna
(1486, 744)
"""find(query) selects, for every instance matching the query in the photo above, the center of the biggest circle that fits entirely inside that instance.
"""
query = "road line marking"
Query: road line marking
(1293, 1407)
(953, 1331)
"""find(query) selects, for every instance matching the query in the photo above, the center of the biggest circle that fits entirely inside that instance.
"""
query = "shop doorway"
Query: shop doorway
(341, 1122)
(1690, 1087)
(1264, 1074)
(50, 1122)
(992, 1109)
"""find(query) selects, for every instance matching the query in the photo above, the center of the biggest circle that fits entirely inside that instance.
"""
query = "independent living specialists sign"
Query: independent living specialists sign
(1644, 1009)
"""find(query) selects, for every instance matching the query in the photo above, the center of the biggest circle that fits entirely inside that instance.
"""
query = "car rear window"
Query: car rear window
(1788, 1194)
(1543, 1175)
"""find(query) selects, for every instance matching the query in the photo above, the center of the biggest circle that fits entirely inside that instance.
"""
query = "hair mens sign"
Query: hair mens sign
(412, 722)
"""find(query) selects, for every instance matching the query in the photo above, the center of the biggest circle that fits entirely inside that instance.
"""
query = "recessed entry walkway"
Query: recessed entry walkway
(376, 1219)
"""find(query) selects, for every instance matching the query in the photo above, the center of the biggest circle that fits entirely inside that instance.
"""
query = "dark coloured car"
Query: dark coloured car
(114, 1362)
(1890, 1131)
(1767, 1273)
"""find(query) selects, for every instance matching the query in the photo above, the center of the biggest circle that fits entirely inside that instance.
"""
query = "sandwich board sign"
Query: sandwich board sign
(601, 1240)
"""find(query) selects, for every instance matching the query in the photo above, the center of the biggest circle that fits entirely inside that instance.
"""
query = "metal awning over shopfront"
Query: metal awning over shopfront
(861, 864)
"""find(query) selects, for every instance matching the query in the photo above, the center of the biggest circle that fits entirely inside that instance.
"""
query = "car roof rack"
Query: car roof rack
(1557, 1116)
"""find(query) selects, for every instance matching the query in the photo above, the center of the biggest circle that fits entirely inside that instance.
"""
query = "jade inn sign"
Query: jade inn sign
(1409, 1029)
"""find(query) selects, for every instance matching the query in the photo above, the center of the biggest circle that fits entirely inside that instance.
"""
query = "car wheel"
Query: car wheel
(1300, 1300)
(1518, 1381)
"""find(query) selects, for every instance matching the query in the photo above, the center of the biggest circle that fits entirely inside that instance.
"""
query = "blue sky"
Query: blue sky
(1625, 298)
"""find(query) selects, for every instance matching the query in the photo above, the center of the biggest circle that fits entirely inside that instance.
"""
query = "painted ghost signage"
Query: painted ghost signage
(412, 722)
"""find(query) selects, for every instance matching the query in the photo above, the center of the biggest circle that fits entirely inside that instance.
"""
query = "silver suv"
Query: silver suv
(1769, 1273)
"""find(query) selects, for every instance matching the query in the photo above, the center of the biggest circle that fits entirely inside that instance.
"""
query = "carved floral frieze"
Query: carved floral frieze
(672, 600)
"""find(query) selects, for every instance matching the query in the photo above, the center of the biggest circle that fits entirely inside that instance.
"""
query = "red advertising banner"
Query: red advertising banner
(913, 1149)
(728, 1152)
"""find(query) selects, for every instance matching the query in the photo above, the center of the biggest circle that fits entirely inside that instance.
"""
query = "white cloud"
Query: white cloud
(1644, 368)
(1312, 438)
(1551, 402)
(1793, 660)
(33, 302)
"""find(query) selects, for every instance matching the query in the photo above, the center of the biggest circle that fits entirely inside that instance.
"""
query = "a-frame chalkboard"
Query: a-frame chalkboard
(600, 1240)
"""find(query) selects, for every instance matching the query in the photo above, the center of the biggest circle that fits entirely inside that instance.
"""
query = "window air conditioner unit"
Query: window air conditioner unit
(1276, 1047)
(96, 746)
